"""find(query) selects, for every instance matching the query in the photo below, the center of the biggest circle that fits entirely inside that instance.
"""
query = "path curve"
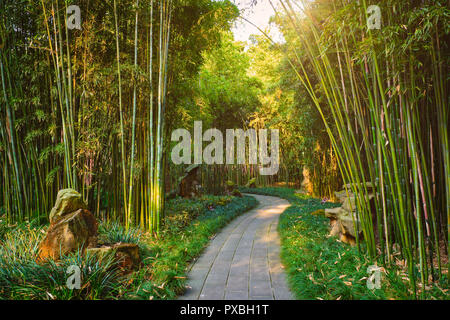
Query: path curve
(243, 261)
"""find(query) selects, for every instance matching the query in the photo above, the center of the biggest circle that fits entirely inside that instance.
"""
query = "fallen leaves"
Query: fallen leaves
(51, 296)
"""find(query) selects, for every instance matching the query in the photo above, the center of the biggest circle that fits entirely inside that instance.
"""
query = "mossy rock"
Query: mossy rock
(127, 254)
(73, 231)
(67, 201)
(251, 183)
(343, 194)
(349, 204)
(230, 183)
(347, 221)
(332, 213)
(236, 193)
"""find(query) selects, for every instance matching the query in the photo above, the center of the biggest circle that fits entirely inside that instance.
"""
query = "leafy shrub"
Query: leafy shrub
(168, 258)
(180, 212)
(3, 228)
(27, 279)
(21, 277)
(165, 259)
(114, 232)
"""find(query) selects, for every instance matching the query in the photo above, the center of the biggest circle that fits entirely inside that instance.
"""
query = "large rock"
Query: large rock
(349, 204)
(333, 213)
(342, 223)
(126, 253)
(251, 183)
(343, 219)
(342, 195)
(69, 233)
(231, 189)
(335, 228)
(347, 221)
(307, 184)
(75, 230)
(67, 201)
(189, 185)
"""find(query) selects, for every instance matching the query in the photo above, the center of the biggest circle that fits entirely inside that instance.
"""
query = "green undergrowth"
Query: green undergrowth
(22, 278)
(167, 259)
(322, 267)
(188, 227)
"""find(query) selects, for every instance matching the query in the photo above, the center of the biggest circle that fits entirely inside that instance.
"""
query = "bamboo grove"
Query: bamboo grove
(92, 109)
(35, 166)
(386, 90)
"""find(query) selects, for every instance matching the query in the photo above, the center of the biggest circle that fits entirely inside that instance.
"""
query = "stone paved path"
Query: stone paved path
(243, 261)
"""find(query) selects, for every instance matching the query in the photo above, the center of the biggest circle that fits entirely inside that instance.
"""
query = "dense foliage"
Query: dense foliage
(86, 108)
(382, 96)
(165, 260)
(320, 267)
(93, 109)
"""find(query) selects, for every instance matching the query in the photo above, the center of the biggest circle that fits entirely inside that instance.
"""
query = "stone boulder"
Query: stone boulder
(307, 186)
(67, 201)
(349, 204)
(347, 221)
(126, 253)
(342, 195)
(251, 183)
(343, 220)
(231, 189)
(333, 213)
(69, 233)
(343, 224)
(74, 228)
(189, 185)
(335, 228)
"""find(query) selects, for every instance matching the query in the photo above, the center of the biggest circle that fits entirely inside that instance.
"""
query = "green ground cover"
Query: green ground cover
(189, 226)
(321, 267)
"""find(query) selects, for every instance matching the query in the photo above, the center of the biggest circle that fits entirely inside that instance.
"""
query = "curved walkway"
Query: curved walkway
(243, 261)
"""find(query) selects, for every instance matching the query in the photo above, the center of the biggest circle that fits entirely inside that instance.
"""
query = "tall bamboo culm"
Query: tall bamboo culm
(145, 196)
(383, 129)
(38, 161)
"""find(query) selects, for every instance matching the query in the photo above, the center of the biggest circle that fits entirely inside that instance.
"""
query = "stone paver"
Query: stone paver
(243, 261)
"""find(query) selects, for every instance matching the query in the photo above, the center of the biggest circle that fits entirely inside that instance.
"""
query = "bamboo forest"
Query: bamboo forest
(224, 150)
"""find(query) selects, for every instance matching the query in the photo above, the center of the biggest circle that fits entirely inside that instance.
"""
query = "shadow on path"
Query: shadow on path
(243, 261)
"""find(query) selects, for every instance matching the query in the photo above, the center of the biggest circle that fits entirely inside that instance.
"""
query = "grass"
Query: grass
(21, 277)
(189, 226)
(167, 259)
(321, 267)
